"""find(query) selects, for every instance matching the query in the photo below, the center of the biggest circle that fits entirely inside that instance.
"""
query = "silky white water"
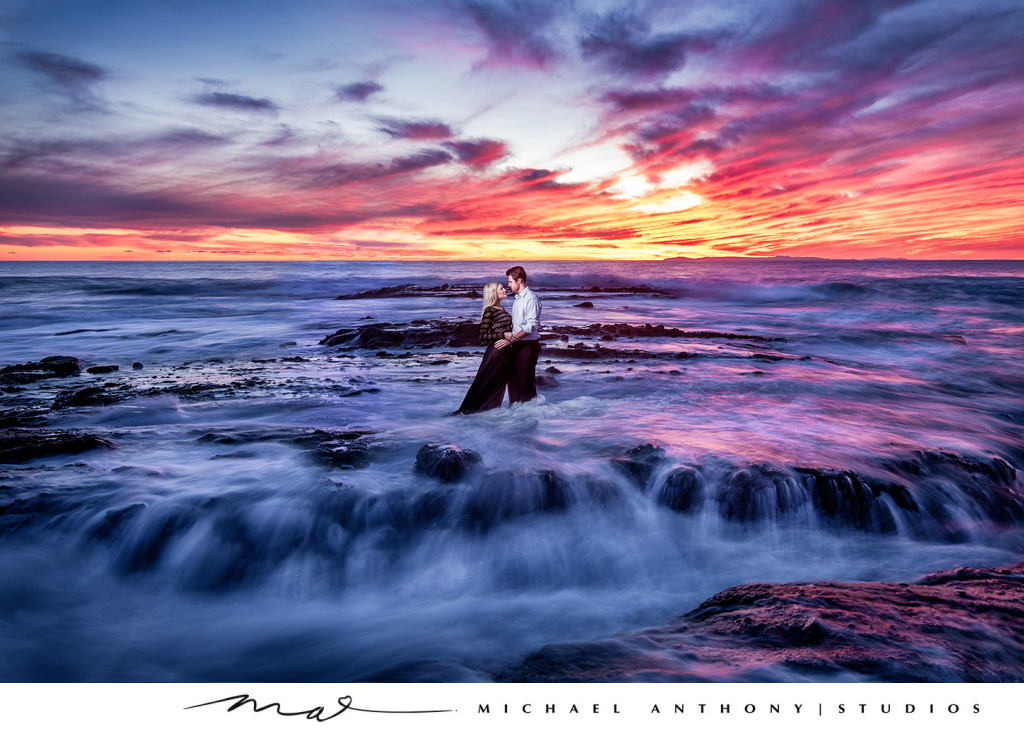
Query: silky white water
(215, 543)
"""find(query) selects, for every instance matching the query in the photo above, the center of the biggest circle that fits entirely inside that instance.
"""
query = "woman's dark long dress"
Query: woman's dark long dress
(488, 388)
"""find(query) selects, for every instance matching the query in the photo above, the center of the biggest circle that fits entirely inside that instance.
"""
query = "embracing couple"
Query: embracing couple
(513, 345)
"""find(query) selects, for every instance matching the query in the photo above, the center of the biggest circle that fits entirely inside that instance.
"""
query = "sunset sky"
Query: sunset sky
(511, 129)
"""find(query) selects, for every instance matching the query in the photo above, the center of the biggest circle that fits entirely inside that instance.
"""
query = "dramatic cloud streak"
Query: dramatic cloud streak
(72, 77)
(523, 128)
(235, 101)
(359, 91)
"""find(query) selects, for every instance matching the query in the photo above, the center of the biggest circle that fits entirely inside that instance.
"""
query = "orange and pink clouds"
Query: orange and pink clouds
(514, 128)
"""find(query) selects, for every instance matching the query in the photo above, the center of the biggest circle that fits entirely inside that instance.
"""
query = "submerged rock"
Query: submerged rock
(963, 625)
(103, 369)
(424, 335)
(507, 494)
(409, 290)
(48, 368)
(447, 463)
(639, 463)
(17, 446)
(83, 397)
(346, 452)
(344, 449)
(656, 330)
(930, 496)
(683, 490)
(458, 333)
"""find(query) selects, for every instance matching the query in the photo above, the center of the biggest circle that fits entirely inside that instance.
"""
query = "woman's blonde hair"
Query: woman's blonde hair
(490, 295)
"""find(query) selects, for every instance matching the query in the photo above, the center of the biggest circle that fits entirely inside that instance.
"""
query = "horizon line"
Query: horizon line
(747, 258)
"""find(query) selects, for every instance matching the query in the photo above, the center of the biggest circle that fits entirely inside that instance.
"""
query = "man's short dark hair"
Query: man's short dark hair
(516, 273)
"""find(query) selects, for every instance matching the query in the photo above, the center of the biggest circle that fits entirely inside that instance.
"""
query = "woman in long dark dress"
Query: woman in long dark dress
(488, 389)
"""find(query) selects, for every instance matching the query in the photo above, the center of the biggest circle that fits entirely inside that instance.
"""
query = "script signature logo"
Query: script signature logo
(317, 713)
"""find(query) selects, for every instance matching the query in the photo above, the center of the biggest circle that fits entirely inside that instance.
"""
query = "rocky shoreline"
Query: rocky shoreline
(35, 390)
(957, 625)
(960, 625)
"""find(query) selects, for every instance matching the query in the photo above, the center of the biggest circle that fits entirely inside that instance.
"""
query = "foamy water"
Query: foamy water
(214, 543)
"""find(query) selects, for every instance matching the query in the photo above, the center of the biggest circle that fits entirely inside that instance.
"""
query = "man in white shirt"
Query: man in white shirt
(524, 338)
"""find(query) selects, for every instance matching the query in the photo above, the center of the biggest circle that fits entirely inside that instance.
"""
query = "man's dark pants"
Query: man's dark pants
(522, 380)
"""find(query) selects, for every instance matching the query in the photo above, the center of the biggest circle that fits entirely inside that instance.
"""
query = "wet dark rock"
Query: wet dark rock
(83, 398)
(460, 333)
(345, 454)
(367, 337)
(505, 495)
(639, 463)
(48, 368)
(423, 335)
(357, 392)
(485, 500)
(447, 463)
(138, 365)
(935, 509)
(924, 463)
(648, 330)
(344, 449)
(543, 381)
(854, 499)
(963, 625)
(584, 304)
(553, 370)
(988, 481)
(757, 492)
(631, 289)
(188, 391)
(103, 369)
(20, 445)
(409, 290)
(682, 491)
(24, 416)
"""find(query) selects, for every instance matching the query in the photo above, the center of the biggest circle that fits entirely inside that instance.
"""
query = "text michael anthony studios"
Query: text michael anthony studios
(701, 708)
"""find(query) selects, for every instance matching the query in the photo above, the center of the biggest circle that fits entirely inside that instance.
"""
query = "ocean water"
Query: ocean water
(806, 420)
